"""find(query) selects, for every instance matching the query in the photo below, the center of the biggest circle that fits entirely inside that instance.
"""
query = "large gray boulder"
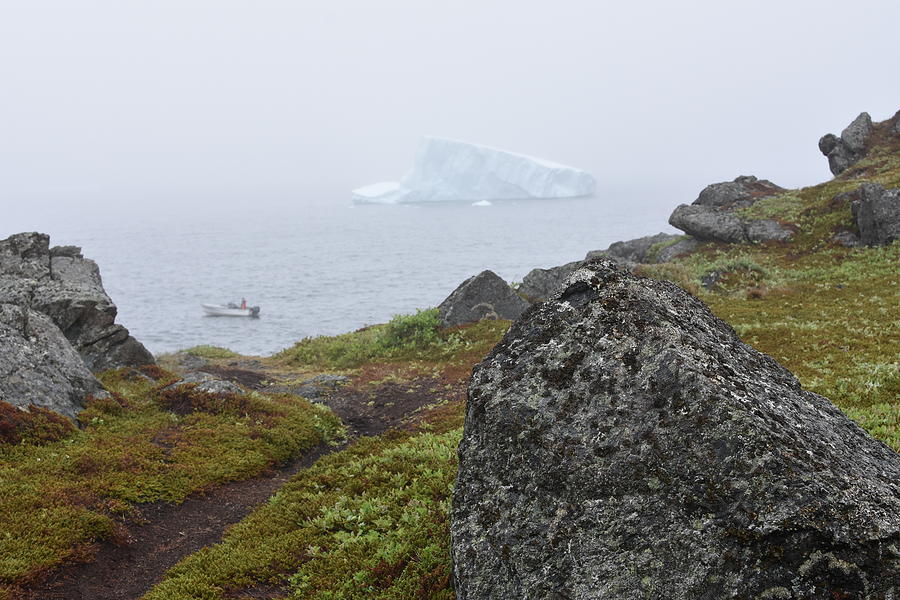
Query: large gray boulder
(877, 214)
(622, 442)
(540, 284)
(38, 365)
(743, 188)
(482, 296)
(65, 286)
(845, 151)
(722, 225)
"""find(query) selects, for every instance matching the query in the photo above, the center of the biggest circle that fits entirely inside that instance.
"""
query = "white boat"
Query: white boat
(230, 310)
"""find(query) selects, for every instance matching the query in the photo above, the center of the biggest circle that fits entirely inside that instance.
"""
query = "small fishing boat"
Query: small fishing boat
(230, 310)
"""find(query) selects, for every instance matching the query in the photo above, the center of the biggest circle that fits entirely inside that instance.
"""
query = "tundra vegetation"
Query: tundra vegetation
(371, 520)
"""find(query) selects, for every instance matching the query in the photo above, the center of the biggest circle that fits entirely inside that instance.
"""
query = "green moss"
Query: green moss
(368, 522)
(57, 495)
(204, 351)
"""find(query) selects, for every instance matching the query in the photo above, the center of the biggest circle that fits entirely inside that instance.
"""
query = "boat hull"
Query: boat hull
(216, 310)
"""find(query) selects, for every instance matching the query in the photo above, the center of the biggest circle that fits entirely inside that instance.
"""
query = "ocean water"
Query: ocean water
(323, 267)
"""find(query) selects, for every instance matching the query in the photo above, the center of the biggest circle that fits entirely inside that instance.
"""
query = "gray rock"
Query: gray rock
(845, 151)
(636, 251)
(848, 239)
(709, 223)
(765, 230)
(220, 386)
(722, 225)
(38, 365)
(67, 287)
(857, 132)
(877, 214)
(685, 245)
(66, 251)
(206, 383)
(540, 284)
(622, 442)
(744, 188)
(483, 296)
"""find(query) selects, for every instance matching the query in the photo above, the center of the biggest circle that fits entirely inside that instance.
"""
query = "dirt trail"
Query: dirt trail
(128, 569)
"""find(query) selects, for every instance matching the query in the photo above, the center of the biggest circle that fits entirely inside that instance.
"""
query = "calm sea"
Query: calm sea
(323, 267)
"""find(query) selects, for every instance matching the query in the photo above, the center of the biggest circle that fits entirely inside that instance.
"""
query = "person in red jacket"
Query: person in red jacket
(243, 303)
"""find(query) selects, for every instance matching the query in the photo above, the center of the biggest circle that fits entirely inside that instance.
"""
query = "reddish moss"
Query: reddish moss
(35, 426)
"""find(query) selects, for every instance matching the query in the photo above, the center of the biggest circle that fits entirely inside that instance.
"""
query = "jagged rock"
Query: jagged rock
(877, 214)
(62, 284)
(38, 365)
(622, 442)
(540, 284)
(482, 296)
(722, 225)
(744, 188)
(845, 151)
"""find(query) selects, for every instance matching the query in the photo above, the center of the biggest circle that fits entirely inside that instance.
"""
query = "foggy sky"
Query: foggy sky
(196, 100)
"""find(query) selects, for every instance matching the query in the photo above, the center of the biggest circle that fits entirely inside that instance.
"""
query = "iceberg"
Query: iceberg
(448, 170)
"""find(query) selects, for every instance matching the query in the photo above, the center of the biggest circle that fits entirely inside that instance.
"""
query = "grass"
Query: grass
(204, 351)
(405, 337)
(59, 493)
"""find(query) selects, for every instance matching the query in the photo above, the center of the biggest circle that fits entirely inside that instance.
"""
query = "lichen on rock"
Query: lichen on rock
(622, 442)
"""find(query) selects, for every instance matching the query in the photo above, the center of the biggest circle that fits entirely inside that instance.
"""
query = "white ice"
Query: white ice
(450, 170)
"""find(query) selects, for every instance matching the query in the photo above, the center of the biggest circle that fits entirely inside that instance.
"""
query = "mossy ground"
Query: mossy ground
(58, 495)
(371, 521)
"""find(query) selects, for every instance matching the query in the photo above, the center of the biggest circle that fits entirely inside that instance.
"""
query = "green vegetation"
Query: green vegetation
(405, 337)
(205, 351)
(368, 522)
(372, 520)
(61, 487)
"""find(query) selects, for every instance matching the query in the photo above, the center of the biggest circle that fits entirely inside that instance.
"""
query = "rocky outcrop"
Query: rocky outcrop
(743, 188)
(876, 212)
(845, 151)
(632, 252)
(482, 296)
(714, 216)
(60, 283)
(622, 442)
(38, 365)
(540, 284)
(723, 225)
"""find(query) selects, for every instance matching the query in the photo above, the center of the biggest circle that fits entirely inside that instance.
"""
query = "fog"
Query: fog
(187, 102)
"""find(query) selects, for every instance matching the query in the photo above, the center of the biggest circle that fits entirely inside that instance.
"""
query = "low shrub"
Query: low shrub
(33, 426)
